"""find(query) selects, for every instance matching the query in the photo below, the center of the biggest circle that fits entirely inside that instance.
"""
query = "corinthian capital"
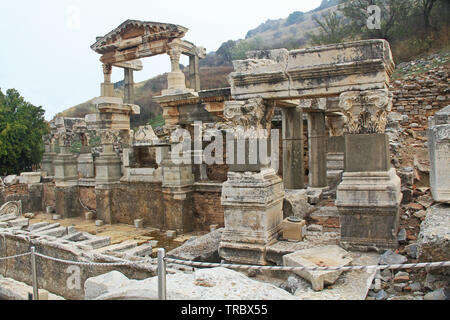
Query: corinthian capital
(251, 114)
(366, 111)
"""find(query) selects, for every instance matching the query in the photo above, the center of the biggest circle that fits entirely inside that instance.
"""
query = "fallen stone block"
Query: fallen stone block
(97, 286)
(89, 215)
(172, 234)
(139, 223)
(30, 177)
(390, 257)
(327, 256)
(56, 217)
(204, 248)
(204, 284)
(434, 235)
(99, 223)
(97, 242)
(77, 236)
(143, 250)
(314, 195)
(8, 217)
(295, 203)
(293, 228)
(21, 222)
(119, 247)
(3, 225)
(42, 226)
(55, 232)
(38, 225)
(11, 180)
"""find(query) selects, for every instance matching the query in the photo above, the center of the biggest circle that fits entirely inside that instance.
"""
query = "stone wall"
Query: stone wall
(420, 96)
(87, 197)
(208, 209)
(138, 200)
(55, 276)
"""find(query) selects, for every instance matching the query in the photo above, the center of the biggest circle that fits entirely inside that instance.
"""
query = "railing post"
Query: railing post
(161, 274)
(34, 274)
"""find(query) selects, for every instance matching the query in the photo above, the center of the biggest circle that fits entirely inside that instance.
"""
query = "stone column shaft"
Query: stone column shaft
(128, 93)
(317, 146)
(293, 170)
(194, 74)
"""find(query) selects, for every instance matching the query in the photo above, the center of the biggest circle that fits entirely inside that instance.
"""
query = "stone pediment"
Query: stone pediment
(135, 39)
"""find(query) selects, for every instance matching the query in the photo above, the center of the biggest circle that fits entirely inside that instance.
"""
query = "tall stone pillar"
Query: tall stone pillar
(317, 146)
(66, 179)
(335, 150)
(293, 170)
(128, 90)
(439, 148)
(108, 174)
(48, 157)
(177, 188)
(252, 198)
(194, 74)
(107, 88)
(369, 196)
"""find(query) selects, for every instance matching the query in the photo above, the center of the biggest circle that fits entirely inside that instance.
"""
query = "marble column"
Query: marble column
(107, 88)
(194, 74)
(293, 170)
(369, 196)
(252, 196)
(317, 146)
(128, 89)
(335, 150)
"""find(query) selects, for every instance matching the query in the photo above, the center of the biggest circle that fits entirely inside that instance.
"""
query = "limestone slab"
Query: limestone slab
(327, 256)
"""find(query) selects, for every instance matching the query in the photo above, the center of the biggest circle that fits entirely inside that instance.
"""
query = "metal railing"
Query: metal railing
(162, 262)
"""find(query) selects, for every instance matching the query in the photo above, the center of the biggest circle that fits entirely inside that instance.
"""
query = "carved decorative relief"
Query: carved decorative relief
(366, 111)
(251, 114)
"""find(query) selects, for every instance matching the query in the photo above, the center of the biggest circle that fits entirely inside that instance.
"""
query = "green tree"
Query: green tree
(22, 126)
(392, 14)
(332, 29)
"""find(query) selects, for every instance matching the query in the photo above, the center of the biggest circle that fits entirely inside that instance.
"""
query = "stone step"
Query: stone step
(97, 242)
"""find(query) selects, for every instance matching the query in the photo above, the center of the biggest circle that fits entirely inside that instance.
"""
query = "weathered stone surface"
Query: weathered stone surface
(295, 203)
(211, 284)
(204, 248)
(369, 204)
(96, 286)
(10, 210)
(390, 257)
(11, 180)
(293, 230)
(439, 150)
(332, 256)
(21, 222)
(434, 235)
(30, 177)
(11, 289)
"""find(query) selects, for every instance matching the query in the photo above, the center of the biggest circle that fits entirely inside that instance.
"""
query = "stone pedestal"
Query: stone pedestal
(67, 203)
(369, 196)
(293, 171)
(85, 163)
(66, 173)
(317, 146)
(47, 162)
(108, 174)
(177, 187)
(253, 215)
(439, 149)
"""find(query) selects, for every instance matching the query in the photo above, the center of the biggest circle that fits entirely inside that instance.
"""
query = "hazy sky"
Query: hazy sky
(45, 44)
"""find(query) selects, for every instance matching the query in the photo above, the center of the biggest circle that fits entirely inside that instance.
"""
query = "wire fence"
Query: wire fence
(162, 262)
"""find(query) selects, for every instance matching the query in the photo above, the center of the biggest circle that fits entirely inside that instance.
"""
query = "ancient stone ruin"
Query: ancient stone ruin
(295, 128)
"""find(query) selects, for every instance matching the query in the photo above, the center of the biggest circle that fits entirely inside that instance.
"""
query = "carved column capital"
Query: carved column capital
(107, 70)
(175, 54)
(253, 113)
(366, 111)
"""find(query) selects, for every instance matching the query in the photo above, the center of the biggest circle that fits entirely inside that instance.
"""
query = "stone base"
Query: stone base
(85, 165)
(66, 173)
(368, 204)
(107, 168)
(178, 209)
(67, 203)
(439, 149)
(253, 215)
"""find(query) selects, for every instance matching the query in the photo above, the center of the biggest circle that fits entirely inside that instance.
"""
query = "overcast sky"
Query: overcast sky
(45, 44)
